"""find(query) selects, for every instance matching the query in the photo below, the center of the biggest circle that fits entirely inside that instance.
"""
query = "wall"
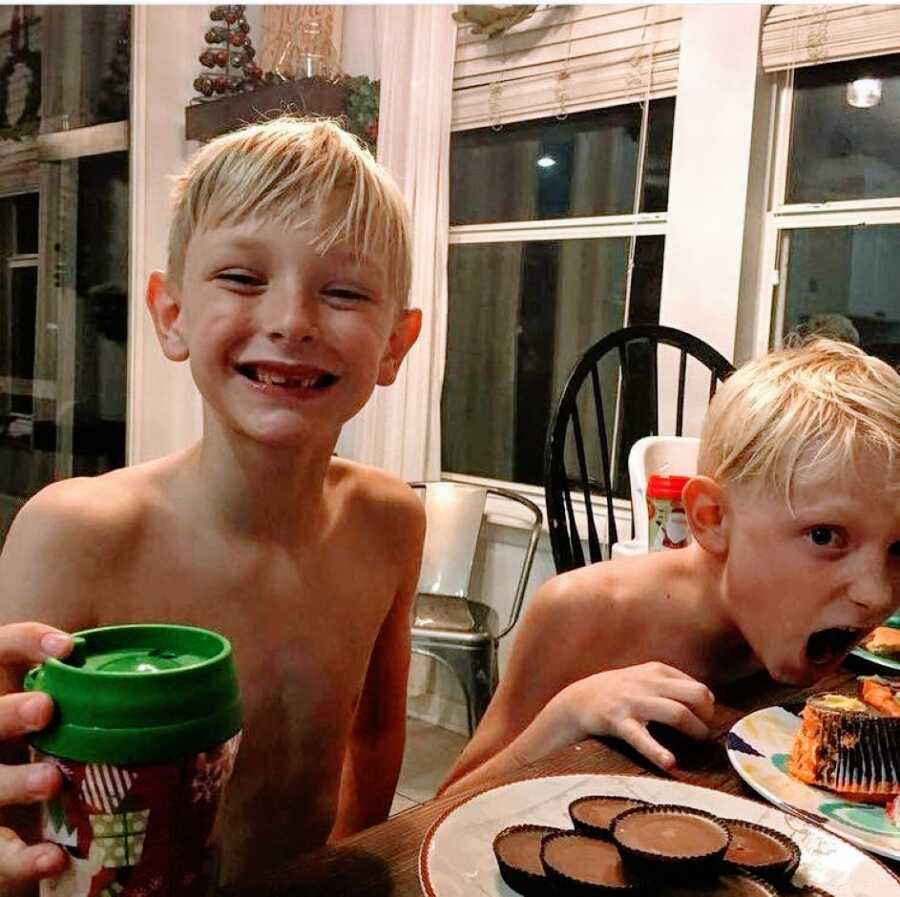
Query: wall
(359, 47)
(164, 411)
(709, 177)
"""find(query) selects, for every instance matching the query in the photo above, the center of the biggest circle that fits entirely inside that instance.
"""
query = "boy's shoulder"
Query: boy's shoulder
(376, 496)
(88, 515)
(65, 543)
(613, 590)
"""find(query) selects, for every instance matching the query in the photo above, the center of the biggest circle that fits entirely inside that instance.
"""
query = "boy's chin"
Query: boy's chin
(804, 673)
(797, 678)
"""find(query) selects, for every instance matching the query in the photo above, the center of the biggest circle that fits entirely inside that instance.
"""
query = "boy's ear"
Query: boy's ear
(705, 505)
(165, 309)
(403, 336)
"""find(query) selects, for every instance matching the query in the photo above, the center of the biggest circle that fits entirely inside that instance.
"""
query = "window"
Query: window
(18, 231)
(835, 224)
(557, 238)
(64, 226)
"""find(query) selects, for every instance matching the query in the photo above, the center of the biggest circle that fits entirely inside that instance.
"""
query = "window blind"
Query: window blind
(804, 34)
(565, 59)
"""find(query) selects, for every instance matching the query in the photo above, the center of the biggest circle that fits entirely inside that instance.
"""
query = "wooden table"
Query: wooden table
(382, 861)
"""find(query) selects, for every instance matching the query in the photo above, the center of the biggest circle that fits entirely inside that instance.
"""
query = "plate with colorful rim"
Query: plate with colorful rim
(759, 746)
(457, 859)
(886, 663)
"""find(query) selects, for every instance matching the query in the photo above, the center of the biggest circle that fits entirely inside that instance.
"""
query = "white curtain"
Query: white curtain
(399, 429)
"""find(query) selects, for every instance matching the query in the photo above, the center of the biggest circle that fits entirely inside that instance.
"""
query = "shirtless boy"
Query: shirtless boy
(795, 515)
(286, 289)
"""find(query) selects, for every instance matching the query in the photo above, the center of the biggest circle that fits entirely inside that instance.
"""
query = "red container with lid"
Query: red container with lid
(668, 526)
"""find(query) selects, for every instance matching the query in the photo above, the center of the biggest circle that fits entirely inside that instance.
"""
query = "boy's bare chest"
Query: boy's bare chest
(264, 602)
(302, 630)
(296, 623)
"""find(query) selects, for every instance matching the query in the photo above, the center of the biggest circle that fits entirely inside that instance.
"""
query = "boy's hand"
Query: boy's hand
(622, 702)
(23, 645)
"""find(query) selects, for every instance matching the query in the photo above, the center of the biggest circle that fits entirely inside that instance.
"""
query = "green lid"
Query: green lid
(139, 694)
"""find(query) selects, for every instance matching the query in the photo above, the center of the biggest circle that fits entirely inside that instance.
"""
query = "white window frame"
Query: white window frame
(782, 216)
(632, 226)
(12, 386)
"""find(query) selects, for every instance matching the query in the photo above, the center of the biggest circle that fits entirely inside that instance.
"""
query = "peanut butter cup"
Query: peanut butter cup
(671, 841)
(731, 884)
(518, 853)
(593, 814)
(580, 866)
(763, 851)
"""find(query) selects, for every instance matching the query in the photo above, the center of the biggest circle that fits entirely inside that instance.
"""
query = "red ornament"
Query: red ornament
(221, 57)
(220, 84)
(230, 18)
(237, 39)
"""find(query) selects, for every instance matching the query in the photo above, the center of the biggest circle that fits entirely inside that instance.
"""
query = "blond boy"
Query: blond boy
(286, 290)
(795, 515)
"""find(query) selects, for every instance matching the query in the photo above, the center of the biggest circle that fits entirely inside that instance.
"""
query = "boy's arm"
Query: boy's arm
(571, 675)
(49, 540)
(615, 702)
(58, 549)
(375, 750)
(556, 644)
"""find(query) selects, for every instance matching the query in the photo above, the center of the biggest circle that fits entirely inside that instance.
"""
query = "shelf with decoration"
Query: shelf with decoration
(233, 90)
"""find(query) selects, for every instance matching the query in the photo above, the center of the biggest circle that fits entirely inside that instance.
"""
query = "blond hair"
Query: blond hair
(286, 169)
(817, 407)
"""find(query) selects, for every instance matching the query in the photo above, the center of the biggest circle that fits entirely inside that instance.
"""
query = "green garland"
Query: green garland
(362, 108)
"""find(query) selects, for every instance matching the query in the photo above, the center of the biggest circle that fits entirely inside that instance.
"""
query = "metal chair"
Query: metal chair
(450, 627)
(598, 419)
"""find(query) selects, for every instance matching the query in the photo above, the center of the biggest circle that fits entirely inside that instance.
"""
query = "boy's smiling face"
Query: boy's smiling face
(283, 341)
(804, 587)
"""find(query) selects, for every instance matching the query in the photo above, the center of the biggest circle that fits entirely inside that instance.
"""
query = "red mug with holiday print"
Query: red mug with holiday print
(145, 737)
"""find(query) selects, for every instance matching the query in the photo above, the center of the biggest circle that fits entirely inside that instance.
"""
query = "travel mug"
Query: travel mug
(668, 526)
(145, 735)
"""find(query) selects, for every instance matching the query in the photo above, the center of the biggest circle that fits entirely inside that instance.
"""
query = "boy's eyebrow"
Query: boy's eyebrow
(239, 241)
(823, 508)
(351, 258)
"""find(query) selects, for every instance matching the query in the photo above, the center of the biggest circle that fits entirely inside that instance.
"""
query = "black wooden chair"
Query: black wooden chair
(609, 402)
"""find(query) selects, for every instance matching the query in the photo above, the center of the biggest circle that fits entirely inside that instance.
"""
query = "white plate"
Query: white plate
(758, 748)
(888, 664)
(457, 858)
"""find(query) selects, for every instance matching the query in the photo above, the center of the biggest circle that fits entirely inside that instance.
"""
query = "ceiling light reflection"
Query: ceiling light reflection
(864, 93)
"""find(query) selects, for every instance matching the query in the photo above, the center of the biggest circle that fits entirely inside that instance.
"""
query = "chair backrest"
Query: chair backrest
(665, 455)
(454, 513)
(597, 420)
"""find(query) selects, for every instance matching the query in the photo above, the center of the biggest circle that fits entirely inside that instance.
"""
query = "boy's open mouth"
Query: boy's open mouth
(287, 378)
(827, 645)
